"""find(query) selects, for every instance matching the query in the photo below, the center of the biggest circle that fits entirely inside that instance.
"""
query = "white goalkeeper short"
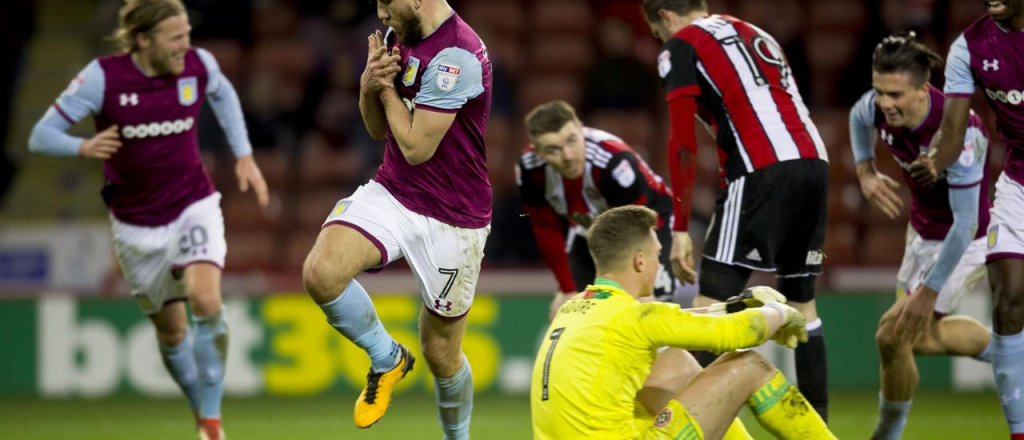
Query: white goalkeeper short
(921, 255)
(152, 257)
(445, 259)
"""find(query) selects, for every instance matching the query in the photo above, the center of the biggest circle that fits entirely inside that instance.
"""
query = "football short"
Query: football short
(921, 255)
(581, 264)
(152, 258)
(773, 220)
(1006, 228)
(445, 259)
(672, 423)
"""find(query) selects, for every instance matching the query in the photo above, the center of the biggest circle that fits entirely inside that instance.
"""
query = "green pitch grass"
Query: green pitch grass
(936, 415)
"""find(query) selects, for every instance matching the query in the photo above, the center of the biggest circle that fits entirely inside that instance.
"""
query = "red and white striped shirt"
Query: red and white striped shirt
(735, 78)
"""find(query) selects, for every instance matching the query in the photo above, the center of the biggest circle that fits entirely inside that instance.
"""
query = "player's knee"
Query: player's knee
(205, 301)
(750, 364)
(886, 339)
(171, 334)
(324, 279)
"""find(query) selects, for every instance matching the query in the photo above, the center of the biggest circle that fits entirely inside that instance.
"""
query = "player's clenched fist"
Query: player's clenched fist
(101, 146)
(381, 65)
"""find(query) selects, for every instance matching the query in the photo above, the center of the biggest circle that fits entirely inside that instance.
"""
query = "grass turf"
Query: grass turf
(936, 415)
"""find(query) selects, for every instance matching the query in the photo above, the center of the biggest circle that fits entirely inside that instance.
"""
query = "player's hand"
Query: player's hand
(923, 170)
(101, 146)
(916, 314)
(681, 257)
(794, 326)
(249, 175)
(381, 66)
(878, 189)
(556, 303)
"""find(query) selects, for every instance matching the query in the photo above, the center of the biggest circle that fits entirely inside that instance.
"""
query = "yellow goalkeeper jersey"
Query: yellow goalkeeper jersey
(599, 349)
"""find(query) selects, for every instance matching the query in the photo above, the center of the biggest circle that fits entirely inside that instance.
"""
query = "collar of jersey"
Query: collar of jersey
(606, 285)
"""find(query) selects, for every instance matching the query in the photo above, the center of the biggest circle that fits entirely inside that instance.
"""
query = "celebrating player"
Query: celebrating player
(600, 348)
(429, 203)
(167, 224)
(990, 55)
(577, 172)
(771, 214)
(945, 250)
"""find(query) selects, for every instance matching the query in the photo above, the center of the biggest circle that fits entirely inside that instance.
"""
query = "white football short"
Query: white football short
(920, 256)
(445, 259)
(1006, 228)
(152, 257)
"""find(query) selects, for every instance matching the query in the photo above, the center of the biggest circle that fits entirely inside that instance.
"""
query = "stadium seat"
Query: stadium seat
(230, 56)
(837, 15)
(883, 246)
(243, 213)
(569, 17)
(552, 53)
(504, 18)
(250, 250)
(539, 88)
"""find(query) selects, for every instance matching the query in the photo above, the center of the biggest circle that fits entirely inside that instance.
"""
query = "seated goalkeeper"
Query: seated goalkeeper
(601, 371)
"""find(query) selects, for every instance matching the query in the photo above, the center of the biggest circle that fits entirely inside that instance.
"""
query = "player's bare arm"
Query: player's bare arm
(249, 175)
(380, 72)
(101, 146)
(879, 188)
(946, 145)
(418, 133)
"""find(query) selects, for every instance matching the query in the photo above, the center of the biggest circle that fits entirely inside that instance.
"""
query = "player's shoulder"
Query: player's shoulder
(529, 160)
(982, 26)
(602, 148)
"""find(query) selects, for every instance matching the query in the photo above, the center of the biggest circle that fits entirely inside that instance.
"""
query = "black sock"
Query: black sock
(812, 370)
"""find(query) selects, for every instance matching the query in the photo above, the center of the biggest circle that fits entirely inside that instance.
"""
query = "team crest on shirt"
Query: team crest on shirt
(411, 70)
(663, 419)
(341, 207)
(967, 156)
(993, 236)
(188, 90)
(447, 76)
(664, 63)
(624, 174)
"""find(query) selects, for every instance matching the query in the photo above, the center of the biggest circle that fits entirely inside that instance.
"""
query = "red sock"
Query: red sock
(1018, 436)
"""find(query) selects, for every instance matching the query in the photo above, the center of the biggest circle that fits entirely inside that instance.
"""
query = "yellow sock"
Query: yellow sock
(737, 431)
(783, 411)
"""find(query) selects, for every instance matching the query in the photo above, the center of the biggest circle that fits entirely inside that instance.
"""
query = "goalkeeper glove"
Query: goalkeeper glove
(751, 298)
(794, 327)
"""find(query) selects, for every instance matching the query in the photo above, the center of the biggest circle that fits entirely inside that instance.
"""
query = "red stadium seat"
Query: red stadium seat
(569, 17)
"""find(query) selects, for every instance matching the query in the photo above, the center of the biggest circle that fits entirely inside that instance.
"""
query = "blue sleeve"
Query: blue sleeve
(226, 105)
(862, 128)
(958, 69)
(969, 169)
(964, 203)
(83, 97)
(453, 77)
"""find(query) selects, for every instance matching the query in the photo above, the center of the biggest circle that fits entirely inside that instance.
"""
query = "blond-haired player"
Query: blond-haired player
(589, 376)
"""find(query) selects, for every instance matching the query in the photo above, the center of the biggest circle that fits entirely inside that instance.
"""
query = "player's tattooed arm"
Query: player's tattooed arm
(380, 72)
